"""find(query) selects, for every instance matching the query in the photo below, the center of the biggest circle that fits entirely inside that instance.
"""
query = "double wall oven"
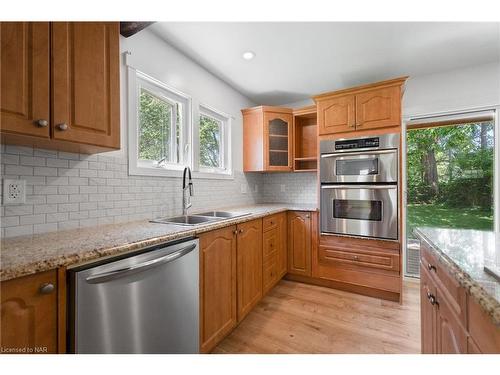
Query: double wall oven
(359, 186)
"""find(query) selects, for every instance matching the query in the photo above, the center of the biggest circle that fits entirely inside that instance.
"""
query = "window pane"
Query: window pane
(155, 120)
(210, 142)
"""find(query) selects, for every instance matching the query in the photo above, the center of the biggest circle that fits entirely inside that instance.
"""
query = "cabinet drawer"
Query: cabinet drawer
(270, 242)
(270, 222)
(372, 259)
(449, 286)
(270, 275)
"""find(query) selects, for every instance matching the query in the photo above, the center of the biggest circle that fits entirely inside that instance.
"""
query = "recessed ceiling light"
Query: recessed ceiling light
(248, 55)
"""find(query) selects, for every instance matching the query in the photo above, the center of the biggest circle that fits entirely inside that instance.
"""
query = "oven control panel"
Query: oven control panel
(353, 144)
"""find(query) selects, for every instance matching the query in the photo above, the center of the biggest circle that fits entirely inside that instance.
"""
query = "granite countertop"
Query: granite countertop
(464, 252)
(25, 255)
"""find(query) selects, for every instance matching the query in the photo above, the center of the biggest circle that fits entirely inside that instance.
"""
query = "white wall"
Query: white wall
(153, 56)
(465, 88)
(470, 87)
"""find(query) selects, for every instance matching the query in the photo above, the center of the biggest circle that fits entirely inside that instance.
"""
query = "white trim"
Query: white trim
(226, 142)
(496, 172)
(134, 164)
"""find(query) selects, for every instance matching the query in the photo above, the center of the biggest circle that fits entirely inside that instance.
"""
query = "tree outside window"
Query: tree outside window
(210, 142)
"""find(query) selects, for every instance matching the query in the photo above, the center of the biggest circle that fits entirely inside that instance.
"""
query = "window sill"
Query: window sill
(162, 172)
(213, 176)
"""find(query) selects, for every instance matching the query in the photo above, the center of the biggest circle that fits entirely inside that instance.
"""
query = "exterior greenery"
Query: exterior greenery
(450, 176)
(155, 127)
(210, 142)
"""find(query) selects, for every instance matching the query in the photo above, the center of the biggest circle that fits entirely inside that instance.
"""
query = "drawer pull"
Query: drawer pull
(42, 123)
(62, 126)
(356, 257)
(430, 267)
(47, 288)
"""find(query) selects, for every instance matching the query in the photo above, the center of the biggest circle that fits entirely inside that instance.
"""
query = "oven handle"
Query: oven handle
(380, 187)
(367, 153)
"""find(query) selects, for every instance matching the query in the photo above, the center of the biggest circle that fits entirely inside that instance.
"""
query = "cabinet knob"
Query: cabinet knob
(62, 126)
(46, 288)
(432, 299)
(308, 216)
(356, 257)
(235, 232)
(430, 267)
(241, 230)
(42, 123)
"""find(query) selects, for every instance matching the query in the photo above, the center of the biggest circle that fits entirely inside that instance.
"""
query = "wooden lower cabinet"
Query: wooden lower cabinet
(218, 286)
(274, 250)
(299, 243)
(249, 266)
(451, 321)
(29, 314)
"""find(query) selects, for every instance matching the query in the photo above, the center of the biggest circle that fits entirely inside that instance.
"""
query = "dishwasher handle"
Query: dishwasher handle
(111, 275)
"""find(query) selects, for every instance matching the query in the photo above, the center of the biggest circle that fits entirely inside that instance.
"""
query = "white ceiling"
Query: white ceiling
(296, 60)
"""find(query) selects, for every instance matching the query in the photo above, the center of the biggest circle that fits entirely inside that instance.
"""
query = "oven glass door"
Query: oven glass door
(368, 167)
(360, 210)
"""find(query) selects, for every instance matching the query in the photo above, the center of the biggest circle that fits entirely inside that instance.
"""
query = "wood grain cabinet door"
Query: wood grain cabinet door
(378, 108)
(29, 314)
(218, 286)
(249, 266)
(278, 141)
(427, 313)
(299, 243)
(336, 115)
(451, 337)
(86, 82)
(25, 72)
(282, 243)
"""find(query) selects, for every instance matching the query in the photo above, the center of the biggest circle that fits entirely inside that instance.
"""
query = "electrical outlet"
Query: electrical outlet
(14, 191)
(243, 188)
(282, 187)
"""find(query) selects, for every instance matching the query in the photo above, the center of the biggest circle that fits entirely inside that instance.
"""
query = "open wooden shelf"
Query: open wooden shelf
(305, 137)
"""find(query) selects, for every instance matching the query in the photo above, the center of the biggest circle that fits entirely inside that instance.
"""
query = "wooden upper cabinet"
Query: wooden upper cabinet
(299, 243)
(218, 286)
(267, 139)
(337, 115)
(29, 314)
(25, 72)
(380, 108)
(249, 266)
(369, 107)
(60, 85)
(86, 82)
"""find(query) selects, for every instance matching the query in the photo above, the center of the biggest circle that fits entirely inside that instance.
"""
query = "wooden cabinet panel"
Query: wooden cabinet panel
(451, 337)
(388, 261)
(472, 347)
(278, 141)
(270, 250)
(427, 313)
(253, 140)
(218, 286)
(29, 316)
(299, 243)
(249, 266)
(378, 108)
(25, 92)
(485, 334)
(336, 115)
(85, 81)
(282, 242)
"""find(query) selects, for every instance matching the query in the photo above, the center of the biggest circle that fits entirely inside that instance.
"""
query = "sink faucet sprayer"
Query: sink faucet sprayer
(186, 198)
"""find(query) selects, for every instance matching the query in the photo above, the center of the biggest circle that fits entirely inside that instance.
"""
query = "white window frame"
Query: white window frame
(226, 144)
(496, 175)
(136, 81)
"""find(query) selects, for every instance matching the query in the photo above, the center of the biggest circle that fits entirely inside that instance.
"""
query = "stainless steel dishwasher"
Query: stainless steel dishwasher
(146, 302)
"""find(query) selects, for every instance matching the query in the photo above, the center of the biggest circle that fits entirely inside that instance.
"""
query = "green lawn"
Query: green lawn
(445, 217)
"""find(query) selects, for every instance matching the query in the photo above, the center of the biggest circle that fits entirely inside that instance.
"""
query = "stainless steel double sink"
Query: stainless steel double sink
(198, 219)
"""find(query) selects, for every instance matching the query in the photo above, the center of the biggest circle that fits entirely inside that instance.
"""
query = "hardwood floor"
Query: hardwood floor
(301, 318)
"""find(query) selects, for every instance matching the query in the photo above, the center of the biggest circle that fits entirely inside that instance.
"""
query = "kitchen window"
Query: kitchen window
(159, 127)
(214, 142)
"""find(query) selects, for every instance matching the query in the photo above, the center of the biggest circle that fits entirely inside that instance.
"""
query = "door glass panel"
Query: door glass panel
(356, 167)
(357, 209)
(278, 143)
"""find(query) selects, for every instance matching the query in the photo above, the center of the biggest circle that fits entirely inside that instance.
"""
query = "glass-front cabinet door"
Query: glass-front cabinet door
(278, 141)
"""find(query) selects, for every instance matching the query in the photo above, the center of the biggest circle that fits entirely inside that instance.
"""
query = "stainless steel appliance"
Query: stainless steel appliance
(146, 302)
(359, 186)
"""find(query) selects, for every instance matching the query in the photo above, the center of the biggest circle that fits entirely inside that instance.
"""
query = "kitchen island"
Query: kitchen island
(460, 301)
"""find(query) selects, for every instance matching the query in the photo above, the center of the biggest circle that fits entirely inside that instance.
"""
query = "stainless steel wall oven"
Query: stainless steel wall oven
(359, 186)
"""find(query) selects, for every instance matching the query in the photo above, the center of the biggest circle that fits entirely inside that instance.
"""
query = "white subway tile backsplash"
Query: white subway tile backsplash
(68, 190)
